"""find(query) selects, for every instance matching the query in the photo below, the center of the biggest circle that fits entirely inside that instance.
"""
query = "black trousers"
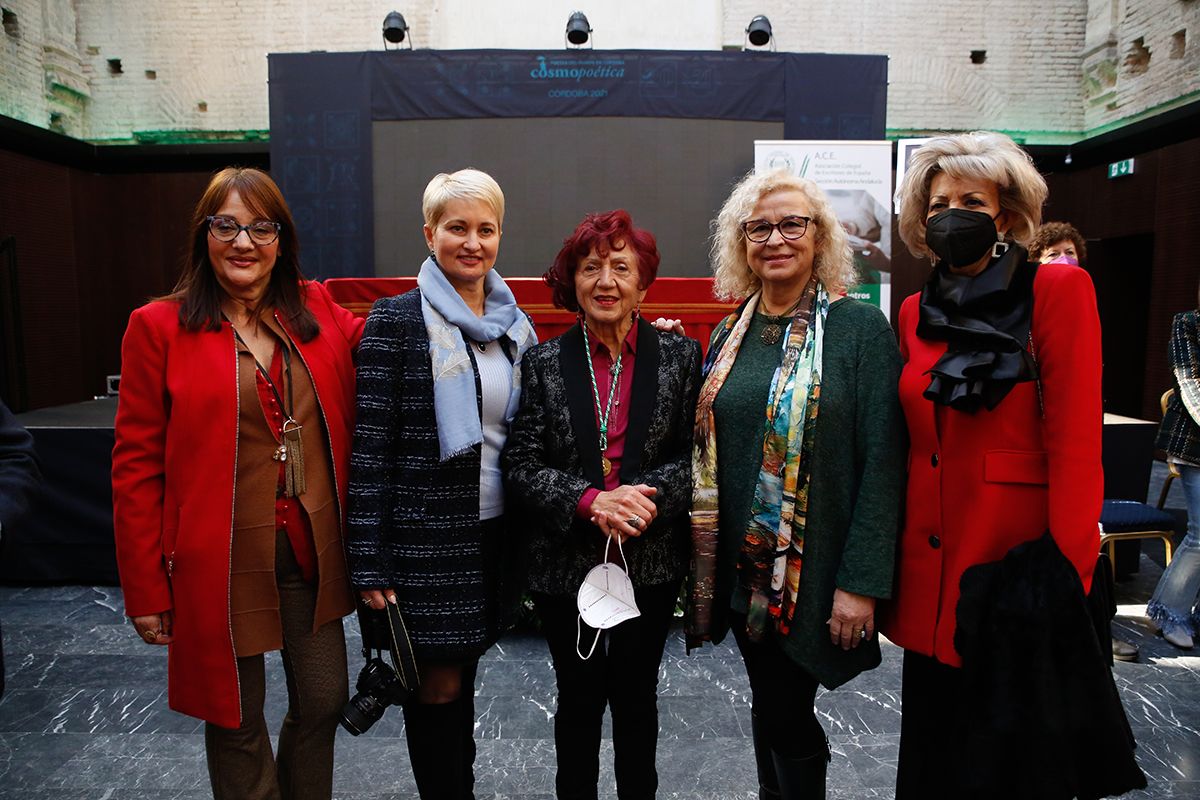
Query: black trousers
(622, 674)
(932, 729)
(781, 694)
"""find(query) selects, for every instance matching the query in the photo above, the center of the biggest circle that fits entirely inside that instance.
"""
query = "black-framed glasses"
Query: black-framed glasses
(791, 228)
(225, 229)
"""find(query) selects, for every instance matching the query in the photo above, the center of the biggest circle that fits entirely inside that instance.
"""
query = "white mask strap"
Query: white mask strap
(579, 617)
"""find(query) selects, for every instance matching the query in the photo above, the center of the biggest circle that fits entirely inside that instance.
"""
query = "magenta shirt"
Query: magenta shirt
(619, 420)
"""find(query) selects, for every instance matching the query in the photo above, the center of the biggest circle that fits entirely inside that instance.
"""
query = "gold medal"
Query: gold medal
(605, 465)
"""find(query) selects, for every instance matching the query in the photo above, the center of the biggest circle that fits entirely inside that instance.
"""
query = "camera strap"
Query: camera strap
(401, 648)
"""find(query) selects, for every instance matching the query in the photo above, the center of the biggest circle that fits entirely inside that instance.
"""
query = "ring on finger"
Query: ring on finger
(634, 522)
(862, 634)
(150, 636)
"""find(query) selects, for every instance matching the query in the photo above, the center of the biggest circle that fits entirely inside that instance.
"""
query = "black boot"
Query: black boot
(435, 748)
(768, 784)
(802, 778)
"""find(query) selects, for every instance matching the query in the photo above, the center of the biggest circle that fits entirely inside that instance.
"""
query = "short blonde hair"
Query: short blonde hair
(465, 184)
(980, 155)
(732, 278)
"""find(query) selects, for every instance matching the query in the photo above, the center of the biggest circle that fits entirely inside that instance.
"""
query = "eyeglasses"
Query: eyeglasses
(791, 228)
(261, 233)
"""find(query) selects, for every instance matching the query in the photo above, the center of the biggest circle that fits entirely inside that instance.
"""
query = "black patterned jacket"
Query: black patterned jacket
(412, 520)
(552, 456)
(1179, 435)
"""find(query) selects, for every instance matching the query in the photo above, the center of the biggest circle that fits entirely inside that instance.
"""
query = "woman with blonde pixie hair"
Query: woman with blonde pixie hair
(809, 376)
(439, 372)
(1001, 395)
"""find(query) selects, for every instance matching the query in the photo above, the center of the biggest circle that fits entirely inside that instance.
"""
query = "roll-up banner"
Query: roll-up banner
(856, 176)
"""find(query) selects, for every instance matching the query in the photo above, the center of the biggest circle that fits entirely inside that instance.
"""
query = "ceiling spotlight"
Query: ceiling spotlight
(579, 32)
(395, 30)
(758, 33)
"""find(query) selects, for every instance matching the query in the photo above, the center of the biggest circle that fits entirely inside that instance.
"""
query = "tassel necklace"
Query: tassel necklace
(291, 448)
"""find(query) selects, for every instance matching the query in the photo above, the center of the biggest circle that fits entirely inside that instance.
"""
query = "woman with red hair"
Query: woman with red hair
(599, 455)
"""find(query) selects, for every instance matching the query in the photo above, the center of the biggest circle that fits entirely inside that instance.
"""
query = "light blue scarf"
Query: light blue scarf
(448, 320)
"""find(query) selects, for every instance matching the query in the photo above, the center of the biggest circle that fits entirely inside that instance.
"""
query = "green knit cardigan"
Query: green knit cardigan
(855, 497)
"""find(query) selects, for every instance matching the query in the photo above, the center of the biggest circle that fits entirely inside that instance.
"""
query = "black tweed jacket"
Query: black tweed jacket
(1179, 435)
(412, 520)
(553, 455)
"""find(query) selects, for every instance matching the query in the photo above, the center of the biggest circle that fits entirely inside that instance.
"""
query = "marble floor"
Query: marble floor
(85, 715)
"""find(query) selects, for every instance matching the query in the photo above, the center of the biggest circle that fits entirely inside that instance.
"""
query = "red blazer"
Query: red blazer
(980, 484)
(173, 474)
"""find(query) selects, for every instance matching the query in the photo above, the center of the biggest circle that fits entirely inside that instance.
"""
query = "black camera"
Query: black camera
(381, 684)
(377, 688)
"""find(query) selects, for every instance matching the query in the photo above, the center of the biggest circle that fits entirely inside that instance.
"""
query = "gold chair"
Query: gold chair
(1129, 519)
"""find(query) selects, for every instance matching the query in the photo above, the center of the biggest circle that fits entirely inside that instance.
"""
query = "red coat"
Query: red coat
(173, 476)
(980, 484)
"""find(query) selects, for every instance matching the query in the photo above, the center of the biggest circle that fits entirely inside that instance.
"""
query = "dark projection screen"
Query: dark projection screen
(670, 174)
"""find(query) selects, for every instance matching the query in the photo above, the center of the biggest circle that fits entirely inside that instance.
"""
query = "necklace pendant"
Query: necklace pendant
(280, 453)
(770, 334)
(482, 346)
(605, 465)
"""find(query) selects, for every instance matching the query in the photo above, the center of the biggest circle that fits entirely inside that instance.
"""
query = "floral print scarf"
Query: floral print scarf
(772, 552)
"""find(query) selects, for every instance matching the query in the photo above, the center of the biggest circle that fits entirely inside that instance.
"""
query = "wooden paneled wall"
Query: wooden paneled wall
(89, 249)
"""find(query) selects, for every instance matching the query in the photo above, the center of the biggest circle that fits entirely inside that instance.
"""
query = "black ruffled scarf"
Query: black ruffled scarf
(985, 319)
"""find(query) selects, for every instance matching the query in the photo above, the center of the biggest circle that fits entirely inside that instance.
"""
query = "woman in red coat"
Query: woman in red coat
(229, 483)
(1001, 393)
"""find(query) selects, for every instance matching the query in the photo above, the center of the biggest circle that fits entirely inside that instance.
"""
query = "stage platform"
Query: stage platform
(67, 537)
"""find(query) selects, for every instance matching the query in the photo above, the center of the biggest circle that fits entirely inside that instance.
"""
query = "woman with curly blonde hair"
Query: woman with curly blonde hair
(809, 377)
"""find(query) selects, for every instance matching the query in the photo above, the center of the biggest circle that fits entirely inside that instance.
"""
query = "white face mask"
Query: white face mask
(605, 599)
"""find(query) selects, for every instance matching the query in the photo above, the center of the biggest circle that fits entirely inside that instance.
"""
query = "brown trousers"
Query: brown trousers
(240, 763)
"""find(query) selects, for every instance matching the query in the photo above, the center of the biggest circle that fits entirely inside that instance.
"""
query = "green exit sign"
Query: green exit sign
(1119, 169)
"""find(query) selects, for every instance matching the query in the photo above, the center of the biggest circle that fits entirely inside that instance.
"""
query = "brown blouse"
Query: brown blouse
(253, 596)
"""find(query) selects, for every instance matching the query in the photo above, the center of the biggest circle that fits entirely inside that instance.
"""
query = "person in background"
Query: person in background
(1001, 395)
(1174, 604)
(19, 476)
(1058, 241)
(1061, 242)
(798, 470)
(600, 452)
(439, 372)
(229, 484)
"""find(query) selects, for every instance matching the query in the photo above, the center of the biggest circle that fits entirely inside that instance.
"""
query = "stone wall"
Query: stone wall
(172, 70)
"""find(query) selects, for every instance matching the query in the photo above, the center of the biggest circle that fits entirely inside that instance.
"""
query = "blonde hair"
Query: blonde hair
(732, 278)
(980, 155)
(465, 184)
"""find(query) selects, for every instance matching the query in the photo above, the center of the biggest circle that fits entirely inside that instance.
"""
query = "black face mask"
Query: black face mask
(961, 237)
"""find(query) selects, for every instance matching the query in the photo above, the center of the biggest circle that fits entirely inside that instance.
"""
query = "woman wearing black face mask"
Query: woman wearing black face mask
(1001, 394)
